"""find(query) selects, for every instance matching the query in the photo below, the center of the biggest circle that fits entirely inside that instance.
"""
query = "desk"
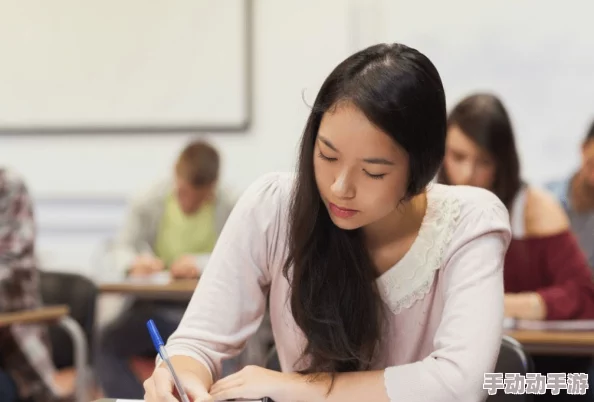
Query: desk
(114, 400)
(175, 290)
(59, 315)
(42, 314)
(580, 343)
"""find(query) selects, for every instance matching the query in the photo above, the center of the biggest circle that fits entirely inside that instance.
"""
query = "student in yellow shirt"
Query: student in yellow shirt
(174, 226)
(174, 222)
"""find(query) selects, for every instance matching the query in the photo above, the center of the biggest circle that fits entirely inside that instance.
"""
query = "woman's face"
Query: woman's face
(361, 173)
(465, 163)
(587, 169)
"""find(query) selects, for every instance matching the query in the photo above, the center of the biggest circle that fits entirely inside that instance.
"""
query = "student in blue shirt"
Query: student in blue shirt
(576, 193)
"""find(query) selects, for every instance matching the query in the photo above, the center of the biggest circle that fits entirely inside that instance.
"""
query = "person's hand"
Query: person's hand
(145, 265)
(527, 306)
(160, 387)
(185, 268)
(253, 382)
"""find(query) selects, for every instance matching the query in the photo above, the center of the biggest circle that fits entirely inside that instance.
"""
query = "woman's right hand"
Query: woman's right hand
(160, 387)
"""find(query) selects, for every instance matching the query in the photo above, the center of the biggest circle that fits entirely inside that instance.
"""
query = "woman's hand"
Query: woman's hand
(185, 268)
(254, 382)
(160, 387)
(527, 306)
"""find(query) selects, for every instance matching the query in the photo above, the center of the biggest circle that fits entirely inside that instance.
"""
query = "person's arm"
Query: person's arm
(571, 293)
(230, 300)
(466, 343)
(225, 204)
(223, 209)
(193, 366)
(125, 246)
(17, 235)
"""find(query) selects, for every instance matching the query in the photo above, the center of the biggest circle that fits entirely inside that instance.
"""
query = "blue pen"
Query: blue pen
(160, 346)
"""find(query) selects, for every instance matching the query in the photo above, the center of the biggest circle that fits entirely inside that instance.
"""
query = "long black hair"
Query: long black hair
(334, 300)
(483, 118)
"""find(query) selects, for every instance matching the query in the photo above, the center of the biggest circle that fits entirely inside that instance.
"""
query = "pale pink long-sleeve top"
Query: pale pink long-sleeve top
(444, 298)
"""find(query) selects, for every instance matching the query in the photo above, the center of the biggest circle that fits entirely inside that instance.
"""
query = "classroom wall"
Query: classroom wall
(542, 74)
(535, 55)
(297, 43)
(81, 182)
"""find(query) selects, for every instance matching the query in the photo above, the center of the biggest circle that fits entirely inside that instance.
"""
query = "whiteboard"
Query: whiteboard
(124, 65)
(537, 56)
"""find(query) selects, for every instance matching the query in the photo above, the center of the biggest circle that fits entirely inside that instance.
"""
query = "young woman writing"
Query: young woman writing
(382, 286)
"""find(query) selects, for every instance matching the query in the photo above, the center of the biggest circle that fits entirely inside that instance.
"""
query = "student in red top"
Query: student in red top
(546, 275)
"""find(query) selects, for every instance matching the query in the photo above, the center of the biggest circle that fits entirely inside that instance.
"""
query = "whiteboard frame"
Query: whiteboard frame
(248, 41)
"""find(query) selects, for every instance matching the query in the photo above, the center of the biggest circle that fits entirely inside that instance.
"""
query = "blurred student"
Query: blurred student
(576, 194)
(546, 275)
(26, 368)
(169, 228)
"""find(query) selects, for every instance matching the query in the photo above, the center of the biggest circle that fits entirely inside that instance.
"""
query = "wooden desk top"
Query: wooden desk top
(42, 314)
(556, 342)
(178, 289)
(554, 337)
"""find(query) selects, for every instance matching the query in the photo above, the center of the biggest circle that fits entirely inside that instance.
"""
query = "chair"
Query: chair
(57, 314)
(272, 362)
(71, 340)
(512, 359)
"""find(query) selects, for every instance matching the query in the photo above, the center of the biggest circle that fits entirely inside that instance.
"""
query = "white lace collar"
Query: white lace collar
(411, 278)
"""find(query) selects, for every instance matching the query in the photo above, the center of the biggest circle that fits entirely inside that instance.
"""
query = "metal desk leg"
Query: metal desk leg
(80, 357)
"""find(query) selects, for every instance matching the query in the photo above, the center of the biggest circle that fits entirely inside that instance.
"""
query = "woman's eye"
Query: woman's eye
(326, 158)
(375, 176)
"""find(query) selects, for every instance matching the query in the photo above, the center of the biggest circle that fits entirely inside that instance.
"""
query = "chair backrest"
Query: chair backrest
(272, 362)
(512, 359)
(79, 293)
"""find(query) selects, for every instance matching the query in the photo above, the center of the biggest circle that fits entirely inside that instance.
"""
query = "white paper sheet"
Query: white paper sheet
(140, 400)
(159, 278)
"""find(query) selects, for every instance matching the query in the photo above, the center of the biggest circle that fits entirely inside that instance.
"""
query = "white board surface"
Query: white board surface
(132, 63)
